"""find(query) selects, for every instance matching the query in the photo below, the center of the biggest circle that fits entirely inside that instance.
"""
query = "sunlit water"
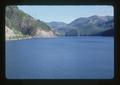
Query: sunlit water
(60, 58)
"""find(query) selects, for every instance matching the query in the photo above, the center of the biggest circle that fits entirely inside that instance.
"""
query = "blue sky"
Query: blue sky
(64, 13)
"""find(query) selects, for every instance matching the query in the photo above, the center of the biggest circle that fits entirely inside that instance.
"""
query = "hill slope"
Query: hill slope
(23, 24)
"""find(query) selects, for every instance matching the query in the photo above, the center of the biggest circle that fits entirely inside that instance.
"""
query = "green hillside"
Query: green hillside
(23, 24)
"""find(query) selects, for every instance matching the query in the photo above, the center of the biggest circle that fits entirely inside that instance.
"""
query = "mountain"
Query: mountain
(95, 20)
(60, 27)
(56, 25)
(109, 32)
(23, 24)
(92, 25)
(9, 32)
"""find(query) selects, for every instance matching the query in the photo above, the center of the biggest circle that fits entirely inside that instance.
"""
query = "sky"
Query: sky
(64, 13)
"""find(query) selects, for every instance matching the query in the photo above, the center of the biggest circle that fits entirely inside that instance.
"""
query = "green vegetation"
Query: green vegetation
(18, 37)
(21, 23)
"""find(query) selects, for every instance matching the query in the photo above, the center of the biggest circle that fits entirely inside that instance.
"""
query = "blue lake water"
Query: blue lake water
(60, 58)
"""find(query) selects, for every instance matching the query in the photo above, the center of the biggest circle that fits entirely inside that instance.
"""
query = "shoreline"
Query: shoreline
(27, 38)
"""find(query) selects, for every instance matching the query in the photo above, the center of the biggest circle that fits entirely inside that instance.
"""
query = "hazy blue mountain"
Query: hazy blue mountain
(92, 25)
(109, 32)
(60, 27)
(78, 22)
(105, 22)
(56, 25)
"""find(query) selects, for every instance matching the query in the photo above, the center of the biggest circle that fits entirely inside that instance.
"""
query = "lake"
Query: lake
(81, 57)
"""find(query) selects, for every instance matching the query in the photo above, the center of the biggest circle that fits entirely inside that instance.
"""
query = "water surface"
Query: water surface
(60, 58)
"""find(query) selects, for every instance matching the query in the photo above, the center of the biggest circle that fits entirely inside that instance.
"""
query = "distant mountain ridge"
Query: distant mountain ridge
(93, 25)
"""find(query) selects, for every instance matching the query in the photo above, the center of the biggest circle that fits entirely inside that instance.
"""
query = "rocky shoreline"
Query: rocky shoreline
(10, 35)
(35, 37)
